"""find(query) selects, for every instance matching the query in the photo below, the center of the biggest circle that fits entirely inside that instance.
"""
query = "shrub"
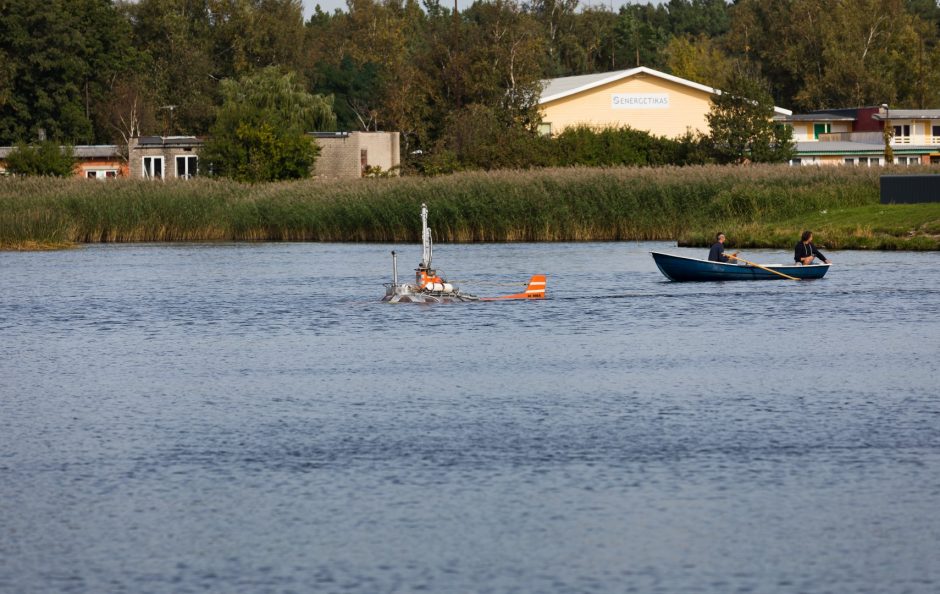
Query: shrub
(45, 158)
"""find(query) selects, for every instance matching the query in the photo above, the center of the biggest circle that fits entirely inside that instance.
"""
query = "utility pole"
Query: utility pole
(168, 125)
(888, 132)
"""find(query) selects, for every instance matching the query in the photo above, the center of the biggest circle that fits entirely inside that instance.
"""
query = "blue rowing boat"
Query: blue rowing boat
(679, 268)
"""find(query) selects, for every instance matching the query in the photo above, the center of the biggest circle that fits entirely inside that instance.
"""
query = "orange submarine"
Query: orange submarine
(431, 288)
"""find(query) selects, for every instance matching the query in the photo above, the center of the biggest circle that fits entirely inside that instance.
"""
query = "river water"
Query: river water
(249, 418)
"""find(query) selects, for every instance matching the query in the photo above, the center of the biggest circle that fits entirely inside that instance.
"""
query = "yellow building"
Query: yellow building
(642, 98)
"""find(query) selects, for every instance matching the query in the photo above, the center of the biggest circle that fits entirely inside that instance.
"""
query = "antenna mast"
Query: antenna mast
(425, 238)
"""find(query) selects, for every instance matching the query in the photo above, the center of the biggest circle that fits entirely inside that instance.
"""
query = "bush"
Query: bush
(259, 134)
(45, 158)
(478, 137)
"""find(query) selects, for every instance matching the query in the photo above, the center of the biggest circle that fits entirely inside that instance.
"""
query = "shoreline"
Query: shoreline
(877, 244)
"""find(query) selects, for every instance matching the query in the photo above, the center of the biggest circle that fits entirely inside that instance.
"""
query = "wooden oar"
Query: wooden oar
(763, 267)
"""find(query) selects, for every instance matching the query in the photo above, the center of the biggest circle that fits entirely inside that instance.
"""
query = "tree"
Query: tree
(178, 72)
(251, 34)
(479, 137)
(260, 131)
(59, 57)
(504, 53)
(44, 158)
(593, 44)
(641, 34)
(128, 111)
(355, 88)
(699, 59)
(708, 18)
(823, 54)
(741, 123)
(557, 18)
(371, 58)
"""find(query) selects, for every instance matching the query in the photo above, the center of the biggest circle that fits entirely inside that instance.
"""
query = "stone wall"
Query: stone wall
(346, 154)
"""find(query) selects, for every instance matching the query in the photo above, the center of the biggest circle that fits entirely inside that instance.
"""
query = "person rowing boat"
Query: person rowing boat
(717, 251)
(805, 252)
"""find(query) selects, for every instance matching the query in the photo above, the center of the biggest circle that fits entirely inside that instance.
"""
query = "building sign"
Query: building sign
(644, 101)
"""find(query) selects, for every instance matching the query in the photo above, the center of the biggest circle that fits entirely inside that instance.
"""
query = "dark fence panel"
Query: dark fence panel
(908, 189)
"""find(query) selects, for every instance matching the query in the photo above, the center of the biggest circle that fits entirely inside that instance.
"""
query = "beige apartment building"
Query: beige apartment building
(856, 136)
(641, 98)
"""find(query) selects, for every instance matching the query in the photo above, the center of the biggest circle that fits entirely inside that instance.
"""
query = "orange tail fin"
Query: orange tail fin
(536, 287)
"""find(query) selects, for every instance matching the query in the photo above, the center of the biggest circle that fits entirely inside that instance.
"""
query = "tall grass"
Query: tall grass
(573, 204)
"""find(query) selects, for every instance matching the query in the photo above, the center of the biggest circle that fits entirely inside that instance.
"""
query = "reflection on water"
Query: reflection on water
(239, 417)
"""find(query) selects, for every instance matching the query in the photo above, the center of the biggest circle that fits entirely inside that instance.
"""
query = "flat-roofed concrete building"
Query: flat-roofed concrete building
(342, 155)
(641, 98)
(354, 154)
(162, 157)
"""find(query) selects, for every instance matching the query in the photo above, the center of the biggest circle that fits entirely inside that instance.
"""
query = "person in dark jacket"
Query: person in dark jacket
(805, 252)
(717, 251)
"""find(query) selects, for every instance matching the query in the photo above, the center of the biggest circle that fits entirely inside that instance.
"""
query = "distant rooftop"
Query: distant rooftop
(558, 88)
(909, 114)
(169, 141)
(816, 117)
(838, 147)
(82, 151)
(851, 114)
(848, 147)
(329, 134)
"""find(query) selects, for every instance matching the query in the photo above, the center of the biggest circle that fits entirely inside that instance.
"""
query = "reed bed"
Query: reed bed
(574, 204)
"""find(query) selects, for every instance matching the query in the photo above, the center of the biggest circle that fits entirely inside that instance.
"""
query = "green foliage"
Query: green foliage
(479, 137)
(504, 47)
(177, 66)
(59, 58)
(259, 134)
(822, 54)
(266, 156)
(642, 33)
(709, 18)
(699, 59)
(354, 88)
(609, 147)
(103, 70)
(276, 97)
(741, 125)
(44, 158)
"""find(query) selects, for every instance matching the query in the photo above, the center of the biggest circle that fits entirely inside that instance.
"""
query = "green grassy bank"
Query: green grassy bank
(756, 206)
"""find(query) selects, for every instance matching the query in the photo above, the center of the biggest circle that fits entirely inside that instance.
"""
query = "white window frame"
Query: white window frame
(148, 172)
(101, 174)
(189, 170)
(901, 133)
